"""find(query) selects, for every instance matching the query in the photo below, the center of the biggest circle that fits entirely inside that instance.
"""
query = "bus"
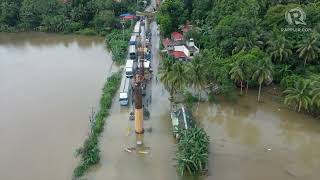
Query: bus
(132, 52)
(125, 91)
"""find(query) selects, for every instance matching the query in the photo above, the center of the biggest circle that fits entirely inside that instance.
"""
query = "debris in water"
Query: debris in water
(139, 142)
(143, 152)
(290, 173)
(268, 149)
(127, 150)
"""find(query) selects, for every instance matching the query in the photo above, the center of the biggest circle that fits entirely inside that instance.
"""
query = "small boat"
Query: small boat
(181, 119)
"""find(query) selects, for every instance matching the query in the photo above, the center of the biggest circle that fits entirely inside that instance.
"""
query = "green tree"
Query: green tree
(315, 92)
(177, 77)
(173, 75)
(279, 49)
(9, 12)
(170, 16)
(299, 95)
(263, 73)
(104, 19)
(196, 74)
(309, 49)
(237, 74)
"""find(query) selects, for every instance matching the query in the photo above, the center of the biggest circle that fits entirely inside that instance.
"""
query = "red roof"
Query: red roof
(128, 17)
(177, 36)
(166, 42)
(178, 54)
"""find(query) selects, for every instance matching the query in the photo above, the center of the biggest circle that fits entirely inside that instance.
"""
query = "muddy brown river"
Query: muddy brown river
(50, 82)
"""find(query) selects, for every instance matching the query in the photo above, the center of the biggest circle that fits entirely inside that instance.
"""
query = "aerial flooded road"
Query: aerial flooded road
(48, 84)
(119, 133)
(249, 140)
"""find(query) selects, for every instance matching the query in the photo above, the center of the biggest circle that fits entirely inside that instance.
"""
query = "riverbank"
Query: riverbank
(89, 152)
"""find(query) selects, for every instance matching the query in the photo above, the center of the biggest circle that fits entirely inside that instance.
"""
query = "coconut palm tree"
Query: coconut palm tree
(309, 49)
(196, 74)
(315, 92)
(299, 95)
(165, 72)
(279, 48)
(178, 76)
(247, 43)
(263, 73)
(242, 44)
(165, 69)
(237, 74)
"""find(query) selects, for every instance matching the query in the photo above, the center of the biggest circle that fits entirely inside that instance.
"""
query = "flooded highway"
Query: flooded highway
(48, 85)
(249, 140)
(50, 82)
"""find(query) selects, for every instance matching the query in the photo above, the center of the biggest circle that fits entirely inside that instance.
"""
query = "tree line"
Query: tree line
(68, 16)
(243, 44)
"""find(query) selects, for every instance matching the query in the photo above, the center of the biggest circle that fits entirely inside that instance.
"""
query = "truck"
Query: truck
(125, 91)
(133, 40)
(132, 52)
(129, 68)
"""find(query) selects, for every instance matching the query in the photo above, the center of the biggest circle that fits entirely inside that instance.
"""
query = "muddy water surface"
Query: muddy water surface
(251, 140)
(48, 84)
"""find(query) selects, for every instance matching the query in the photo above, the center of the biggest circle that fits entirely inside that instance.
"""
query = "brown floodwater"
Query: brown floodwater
(48, 85)
(249, 140)
(264, 141)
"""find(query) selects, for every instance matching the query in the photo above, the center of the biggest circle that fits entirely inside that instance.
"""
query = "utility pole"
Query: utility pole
(122, 23)
(138, 113)
(138, 86)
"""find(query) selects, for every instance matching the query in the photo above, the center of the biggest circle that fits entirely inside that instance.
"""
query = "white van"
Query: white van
(132, 52)
(129, 68)
(133, 40)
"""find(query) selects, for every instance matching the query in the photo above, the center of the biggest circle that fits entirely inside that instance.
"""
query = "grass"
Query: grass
(89, 153)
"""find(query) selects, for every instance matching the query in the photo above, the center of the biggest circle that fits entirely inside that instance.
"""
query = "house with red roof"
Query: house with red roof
(176, 36)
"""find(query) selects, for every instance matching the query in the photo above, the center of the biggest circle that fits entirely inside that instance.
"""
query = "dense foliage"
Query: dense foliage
(89, 152)
(82, 16)
(237, 38)
(117, 42)
(192, 154)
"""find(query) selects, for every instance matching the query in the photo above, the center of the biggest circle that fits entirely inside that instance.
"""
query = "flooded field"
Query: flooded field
(48, 84)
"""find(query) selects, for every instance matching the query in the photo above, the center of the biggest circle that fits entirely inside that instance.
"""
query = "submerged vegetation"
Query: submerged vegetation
(250, 44)
(192, 154)
(90, 152)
